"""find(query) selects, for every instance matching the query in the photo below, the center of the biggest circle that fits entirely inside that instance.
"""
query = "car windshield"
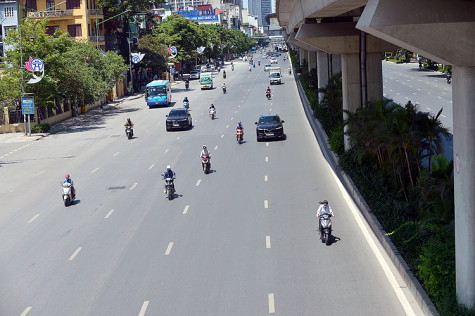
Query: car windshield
(269, 119)
(156, 91)
(177, 113)
(267, 65)
(275, 75)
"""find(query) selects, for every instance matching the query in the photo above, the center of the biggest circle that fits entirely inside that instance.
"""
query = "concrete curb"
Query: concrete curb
(413, 284)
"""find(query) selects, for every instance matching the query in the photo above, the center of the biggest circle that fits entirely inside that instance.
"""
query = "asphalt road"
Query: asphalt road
(239, 241)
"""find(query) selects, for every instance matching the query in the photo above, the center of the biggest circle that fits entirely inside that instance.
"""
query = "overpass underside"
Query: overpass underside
(359, 32)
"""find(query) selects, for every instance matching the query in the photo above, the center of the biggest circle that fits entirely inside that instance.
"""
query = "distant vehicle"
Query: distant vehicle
(275, 76)
(158, 92)
(203, 68)
(269, 126)
(267, 67)
(178, 119)
(206, 80)
(195, 74)
(273, 60)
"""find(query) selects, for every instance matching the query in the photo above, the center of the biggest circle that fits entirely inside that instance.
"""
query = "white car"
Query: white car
(267, 67)
(273, 60)
(195, 74)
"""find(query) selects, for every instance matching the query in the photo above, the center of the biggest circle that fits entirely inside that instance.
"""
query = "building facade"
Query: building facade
(8, 21)
(76, 17)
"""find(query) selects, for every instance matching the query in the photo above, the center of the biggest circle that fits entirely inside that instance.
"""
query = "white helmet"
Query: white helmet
(204, 146)
(168, 167)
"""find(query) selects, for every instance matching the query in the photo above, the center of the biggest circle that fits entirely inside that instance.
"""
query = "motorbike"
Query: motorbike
(187, 84)
(224, 89)
(326, 228)
(239, 135)
(232, 67)
(290, 71)
(206, 163)
(224, 75)
(186, 104)
(129, 132)
(212, 113)
(67, 195)
(169, 188)
(420, 65)
(250, 68)
(259, 63)
(268, 95)
(449, 79)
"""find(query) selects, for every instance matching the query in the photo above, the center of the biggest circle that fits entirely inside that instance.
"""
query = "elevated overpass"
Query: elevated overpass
(351, 35)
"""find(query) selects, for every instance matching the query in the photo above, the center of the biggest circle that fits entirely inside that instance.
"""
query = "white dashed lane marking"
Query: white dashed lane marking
(267, 159)
(109, 214)
(166, 150)
(34, 217)
(198, 183)
(144, 308)
(265, 178)
(115, 154)
(150, 168)
(26, 311)
(222, 135)
(75, 254)
(169, 249)
(266, 204)
(268, 242)
(271, 303)
(133, 186)
(216, 148)
(186, 209)
(95, 170)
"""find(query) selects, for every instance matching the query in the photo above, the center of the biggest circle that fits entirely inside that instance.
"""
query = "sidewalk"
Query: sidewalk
(7, 138)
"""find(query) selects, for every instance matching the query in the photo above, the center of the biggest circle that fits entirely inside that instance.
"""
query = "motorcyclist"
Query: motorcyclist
(186, 100)
(239, 126)
(249, 67)
(258, 62)
(232, 67)
(224, 86)
(70, 181)
(169, 173)
(324, 208)
(129, 123)
(224, 73)
(290, 70)
(268, 92)
(212, 108)
(187, 83)
(205, 154)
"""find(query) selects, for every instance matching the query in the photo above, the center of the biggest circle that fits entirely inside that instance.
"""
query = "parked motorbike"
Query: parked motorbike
(239, 135)
(129, 132)
(67, 195)
(326, 228)
(212, 113)
(206, 163)
(169, 188)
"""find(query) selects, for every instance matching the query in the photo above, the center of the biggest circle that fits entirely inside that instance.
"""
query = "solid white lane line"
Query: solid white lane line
(26, 311)
(267, 159)
(267, 144)
(170, 245)
(133, 186)
(384, 265)
(39, 173)
(266, 204)
(166, 150)
(34, 217)
(268, 242)
(216, 148)
(222, 135)
(198, 183)
(150, 168)
(144, 308)
(227, 126)
(75, 254)
(271, 303)
(115, 154)
(186, 209)
(109, 214)
(265, 178)
(95, 170)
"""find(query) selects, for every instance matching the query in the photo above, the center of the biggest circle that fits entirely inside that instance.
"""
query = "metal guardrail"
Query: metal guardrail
(52, 13)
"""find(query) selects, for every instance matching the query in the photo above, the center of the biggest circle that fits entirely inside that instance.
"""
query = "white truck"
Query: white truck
(274, 75)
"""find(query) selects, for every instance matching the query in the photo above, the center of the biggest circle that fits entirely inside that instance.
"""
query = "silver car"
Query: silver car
(195, 74)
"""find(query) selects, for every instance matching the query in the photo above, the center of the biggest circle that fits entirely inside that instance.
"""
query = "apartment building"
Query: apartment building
(8, 20)
(77, 17)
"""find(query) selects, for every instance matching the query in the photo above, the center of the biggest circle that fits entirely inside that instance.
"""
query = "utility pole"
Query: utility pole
(130, 63)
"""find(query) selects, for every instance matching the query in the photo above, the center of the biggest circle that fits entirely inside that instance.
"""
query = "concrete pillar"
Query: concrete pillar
(374, 76)
(350, 64)
(312, 60)
(336, 63)
(301, 56)
(463, 95)
(322, 71)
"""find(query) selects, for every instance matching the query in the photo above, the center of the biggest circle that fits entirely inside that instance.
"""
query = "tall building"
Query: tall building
(266, 8)
(8, 21)
(184, 5)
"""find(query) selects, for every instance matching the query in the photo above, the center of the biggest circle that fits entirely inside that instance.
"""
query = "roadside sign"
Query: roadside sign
(28, 105)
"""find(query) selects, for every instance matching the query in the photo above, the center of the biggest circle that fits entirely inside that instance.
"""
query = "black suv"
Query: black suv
(179, 119)
(269, 126)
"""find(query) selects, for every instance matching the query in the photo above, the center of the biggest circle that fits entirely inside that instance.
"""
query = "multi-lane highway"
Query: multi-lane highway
(241, 240)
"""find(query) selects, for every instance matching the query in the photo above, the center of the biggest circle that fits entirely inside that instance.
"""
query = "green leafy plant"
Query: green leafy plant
(40, 128)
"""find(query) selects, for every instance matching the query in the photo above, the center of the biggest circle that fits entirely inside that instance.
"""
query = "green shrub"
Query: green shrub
(40, 128)
(336, 140)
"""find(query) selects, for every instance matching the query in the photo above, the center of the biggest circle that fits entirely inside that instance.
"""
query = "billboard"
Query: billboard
(208, 15)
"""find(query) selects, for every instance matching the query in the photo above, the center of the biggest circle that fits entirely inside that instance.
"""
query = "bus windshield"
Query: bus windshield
(157, 91)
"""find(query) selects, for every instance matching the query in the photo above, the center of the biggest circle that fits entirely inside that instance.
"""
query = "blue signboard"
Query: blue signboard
(28, 105)
(200, 15)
